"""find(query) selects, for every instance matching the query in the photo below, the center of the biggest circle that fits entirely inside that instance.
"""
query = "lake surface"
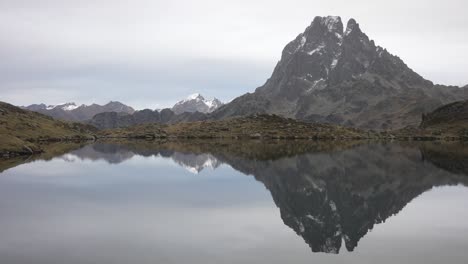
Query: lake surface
(237, 202)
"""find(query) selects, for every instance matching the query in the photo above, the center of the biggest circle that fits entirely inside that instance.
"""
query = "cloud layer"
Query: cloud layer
(152, 53)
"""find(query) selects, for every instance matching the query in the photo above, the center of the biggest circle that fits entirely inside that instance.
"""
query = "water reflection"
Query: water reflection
(329, 194)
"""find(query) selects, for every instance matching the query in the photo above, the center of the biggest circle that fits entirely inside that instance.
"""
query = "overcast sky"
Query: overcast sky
(151, 53)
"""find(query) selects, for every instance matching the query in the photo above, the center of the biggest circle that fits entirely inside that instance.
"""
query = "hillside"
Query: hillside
(451, 118)
(21, 131)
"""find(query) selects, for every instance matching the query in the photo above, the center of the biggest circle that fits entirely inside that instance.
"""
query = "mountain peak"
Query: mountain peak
(195, 96)
(352, 26)
(113, 103)
(196, 103)
(331, 23)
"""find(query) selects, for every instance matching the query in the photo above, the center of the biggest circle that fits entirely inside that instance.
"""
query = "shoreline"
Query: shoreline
(40, 146)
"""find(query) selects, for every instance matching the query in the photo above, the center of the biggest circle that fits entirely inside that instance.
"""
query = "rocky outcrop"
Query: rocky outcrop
(336, 75)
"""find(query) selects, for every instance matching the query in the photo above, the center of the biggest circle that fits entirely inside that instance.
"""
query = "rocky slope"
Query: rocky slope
(250, 127)
(450, 119)
(73, 112)
(453, 115)
(21, 131)
(196, 103)
(336, 75)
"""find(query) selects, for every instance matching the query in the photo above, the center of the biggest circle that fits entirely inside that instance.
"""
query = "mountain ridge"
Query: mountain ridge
(72, 112)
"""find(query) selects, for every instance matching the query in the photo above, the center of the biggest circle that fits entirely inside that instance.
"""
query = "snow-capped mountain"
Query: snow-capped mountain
(65, 106)
(73, 112)
(196, 103)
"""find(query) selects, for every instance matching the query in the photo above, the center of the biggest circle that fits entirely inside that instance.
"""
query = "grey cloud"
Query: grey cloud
(151, 53)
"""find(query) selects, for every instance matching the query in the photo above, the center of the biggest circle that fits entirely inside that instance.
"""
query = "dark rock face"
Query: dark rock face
(109, 120)
(72, 112)
(329, 74)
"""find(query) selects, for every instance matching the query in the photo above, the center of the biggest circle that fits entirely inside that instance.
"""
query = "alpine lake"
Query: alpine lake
(285, 201)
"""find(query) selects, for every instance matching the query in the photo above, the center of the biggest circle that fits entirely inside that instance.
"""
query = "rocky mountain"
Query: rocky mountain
(73, 112)
(196, 103)
(338, 75)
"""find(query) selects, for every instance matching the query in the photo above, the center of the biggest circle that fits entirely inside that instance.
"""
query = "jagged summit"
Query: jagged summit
(336, 75)
(195, 96)
(352, 26)
(196, 103)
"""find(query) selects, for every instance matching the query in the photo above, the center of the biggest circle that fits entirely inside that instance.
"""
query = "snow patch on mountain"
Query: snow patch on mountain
(64, 106)
(196, 103)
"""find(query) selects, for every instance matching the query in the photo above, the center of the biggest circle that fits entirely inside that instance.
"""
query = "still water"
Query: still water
(257, 202)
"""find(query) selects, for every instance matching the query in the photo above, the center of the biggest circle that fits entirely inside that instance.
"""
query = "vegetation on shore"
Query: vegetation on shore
(23, 131)
(251, 127)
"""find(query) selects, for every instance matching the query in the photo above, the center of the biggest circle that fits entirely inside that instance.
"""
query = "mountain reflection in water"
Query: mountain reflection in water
(327, 193)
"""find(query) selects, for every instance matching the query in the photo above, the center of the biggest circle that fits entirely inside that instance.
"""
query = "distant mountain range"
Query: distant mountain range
(190, 109)
(193, 108)
(336, 75)
(73, 112)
